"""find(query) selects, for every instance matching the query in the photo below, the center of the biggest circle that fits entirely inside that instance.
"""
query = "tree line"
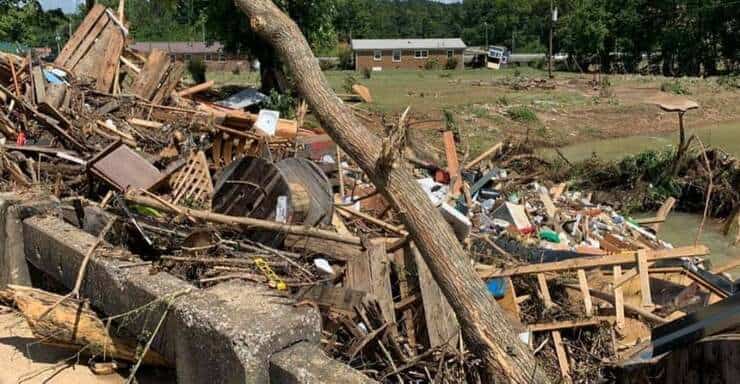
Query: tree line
(673, 37)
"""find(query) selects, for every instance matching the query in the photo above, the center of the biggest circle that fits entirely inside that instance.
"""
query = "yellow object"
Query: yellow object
(272, 277)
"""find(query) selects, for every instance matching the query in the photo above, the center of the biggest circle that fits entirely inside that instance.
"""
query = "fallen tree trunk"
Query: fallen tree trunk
(485, 328)
(71, 324)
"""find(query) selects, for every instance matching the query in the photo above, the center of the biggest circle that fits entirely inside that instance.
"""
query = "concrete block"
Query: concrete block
(305, 363)
(225, 334)
(13, 210)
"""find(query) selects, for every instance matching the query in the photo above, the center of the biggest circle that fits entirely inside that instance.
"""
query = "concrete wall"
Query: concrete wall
(365, 59)
(234, 332)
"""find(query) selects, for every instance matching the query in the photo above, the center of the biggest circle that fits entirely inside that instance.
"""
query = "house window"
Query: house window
(450, 53)
(421, 54)
(377, 55)
(397, 55)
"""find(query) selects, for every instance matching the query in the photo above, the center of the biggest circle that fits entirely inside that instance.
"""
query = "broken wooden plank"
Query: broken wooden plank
(583, 283)
(151, 75)
(567, 324)
(642, 268)
(598, 261)
(371, 274)
(39, 84)
(618, 297)
(442, 325)
(169, 82)
(544, 291)
(196, 88)
(562, 357)
(550, 208)
(453, 165)
(82, 31)
(483, 156)
(404, 276)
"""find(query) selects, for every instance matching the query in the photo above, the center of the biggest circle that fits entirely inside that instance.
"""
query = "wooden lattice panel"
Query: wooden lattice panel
(193, 183)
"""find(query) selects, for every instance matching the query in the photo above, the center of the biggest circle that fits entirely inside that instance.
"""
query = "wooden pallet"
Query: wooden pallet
(95, 49)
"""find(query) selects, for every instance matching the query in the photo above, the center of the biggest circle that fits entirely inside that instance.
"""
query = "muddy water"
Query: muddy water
(725, 136)
(680, 229)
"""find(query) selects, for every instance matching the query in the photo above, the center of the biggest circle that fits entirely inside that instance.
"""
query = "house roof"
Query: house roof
(182, 47)
(368, 44)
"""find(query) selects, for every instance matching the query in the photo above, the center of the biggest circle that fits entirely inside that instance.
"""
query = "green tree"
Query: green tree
(583, 30)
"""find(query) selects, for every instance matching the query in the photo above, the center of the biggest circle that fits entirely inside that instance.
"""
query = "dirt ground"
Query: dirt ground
(575, 110)
(24, 361)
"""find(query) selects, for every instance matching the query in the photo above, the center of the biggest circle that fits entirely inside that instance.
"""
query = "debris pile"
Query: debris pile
(212, 193)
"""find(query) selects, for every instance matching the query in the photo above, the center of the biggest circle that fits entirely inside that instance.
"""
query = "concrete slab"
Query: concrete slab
(13, 210)
(225, 334)
(305, 363)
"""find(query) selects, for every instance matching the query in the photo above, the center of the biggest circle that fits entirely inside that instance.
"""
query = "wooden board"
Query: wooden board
(404, 288)
(583, 283)
(442, 325)
(332, 249)
(82, 31)
(371, 274)
(39, 84)
(453, 165)
(544, 291)
(618, 298)
(562, 357)
(174, 75)
(109, 68)
(642, 268)
(147, 82)
(599, 261)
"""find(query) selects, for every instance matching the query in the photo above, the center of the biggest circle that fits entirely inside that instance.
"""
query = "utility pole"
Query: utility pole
(485, 25)
(553, 19)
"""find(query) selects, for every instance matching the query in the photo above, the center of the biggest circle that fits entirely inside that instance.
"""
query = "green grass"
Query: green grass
(522, 114)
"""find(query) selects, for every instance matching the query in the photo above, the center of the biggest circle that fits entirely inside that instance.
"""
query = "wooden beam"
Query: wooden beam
(642, 268)
(483, 156)
(371, 274)
(618, 297)
(544, 291)
(583, 283)
(598, 261)
(453, 165)
(663, 212)
(568, 324)
(562, 357)
(442, 325)
(196, 88)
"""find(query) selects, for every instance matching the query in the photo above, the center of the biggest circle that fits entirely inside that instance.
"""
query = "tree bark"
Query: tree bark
(485, 328)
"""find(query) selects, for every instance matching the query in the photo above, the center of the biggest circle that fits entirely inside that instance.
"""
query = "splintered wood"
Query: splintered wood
(442, 325)
(159, 77)
(95, 48)
(193, 183)
(371, 274)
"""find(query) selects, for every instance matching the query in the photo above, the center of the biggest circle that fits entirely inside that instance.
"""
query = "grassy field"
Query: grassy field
(491, 105)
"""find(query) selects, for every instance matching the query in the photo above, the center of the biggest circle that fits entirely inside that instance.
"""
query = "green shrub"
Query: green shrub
(431, 64)
(522, 114)
(503, 100)
(676, 87)
(730, 82)
(349, 81)
(197, 69)
(326, 65)
(451, 63)
(367, 73)
(281, 102)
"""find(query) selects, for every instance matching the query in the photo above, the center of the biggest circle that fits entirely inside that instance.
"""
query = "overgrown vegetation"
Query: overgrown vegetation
(522, 114)
(431, 64)
(642, 181)
(281, 102)
(675, 86)
(451, 63)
